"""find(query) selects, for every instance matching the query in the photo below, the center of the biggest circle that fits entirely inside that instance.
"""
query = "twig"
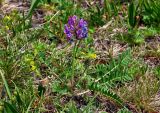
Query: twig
(82, 93)
(107, 25)
(107, 73)
(40, 25)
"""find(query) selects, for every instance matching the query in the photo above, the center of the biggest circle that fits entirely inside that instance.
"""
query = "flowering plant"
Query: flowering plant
(76, 28)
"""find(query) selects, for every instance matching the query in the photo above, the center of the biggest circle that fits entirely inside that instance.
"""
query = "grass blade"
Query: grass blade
(33, 6)
(5, 84)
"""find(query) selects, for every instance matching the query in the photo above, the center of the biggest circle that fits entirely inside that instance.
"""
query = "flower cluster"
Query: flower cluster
(76, 28)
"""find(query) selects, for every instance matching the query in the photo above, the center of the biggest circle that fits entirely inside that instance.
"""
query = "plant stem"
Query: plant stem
(73, 60)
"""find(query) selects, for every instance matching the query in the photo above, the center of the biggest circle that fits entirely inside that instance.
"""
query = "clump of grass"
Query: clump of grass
(141, 91)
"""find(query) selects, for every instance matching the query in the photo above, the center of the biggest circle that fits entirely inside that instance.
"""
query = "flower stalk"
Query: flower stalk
(74, 55)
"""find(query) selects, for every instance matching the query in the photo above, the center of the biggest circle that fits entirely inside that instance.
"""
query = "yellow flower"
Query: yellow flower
(33, 68)
(89, 55)
(32, 63)
(7, 18)
(7, 28)
(92, 55)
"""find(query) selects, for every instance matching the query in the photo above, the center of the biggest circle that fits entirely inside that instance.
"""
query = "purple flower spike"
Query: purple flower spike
(76, 28)
(67, 32)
